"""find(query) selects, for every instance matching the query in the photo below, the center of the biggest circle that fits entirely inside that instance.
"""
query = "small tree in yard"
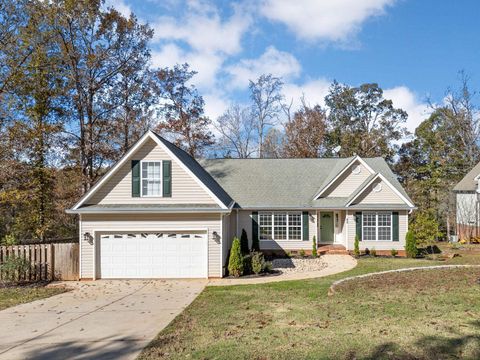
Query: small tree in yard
(411, 245)
(426, 229)
(244, 242)
(258, 262)
(314, 247)
(235, 263)
(356, 246)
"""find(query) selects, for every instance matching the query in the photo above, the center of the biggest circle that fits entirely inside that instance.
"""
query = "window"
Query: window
(265, 224)
(295, 226)
(377, 226)
(280, 226)
(151, 178)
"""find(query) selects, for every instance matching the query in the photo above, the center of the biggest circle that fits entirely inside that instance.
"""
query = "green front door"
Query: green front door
(326, 227)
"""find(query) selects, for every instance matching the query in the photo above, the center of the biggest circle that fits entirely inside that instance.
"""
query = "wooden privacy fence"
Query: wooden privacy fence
(59, 261)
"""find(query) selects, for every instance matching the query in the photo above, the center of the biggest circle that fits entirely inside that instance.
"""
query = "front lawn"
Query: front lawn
(11, 296)
(426, 314)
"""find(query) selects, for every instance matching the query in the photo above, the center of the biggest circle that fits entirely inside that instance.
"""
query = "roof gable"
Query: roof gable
(378, 190)
(343, 175)
(198, 181)
(468, 183)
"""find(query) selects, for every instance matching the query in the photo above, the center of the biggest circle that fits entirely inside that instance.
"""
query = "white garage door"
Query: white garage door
(153, 255)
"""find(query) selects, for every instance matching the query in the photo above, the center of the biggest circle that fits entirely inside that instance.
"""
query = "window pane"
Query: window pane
(369, 233)
(144, 187)
(294, 220)
(295, 233)
(369, 219)
(384, 233)
(384, 219)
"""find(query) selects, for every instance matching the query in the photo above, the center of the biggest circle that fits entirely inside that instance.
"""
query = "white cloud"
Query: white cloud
(405, 99)
(121, 6)
(331, 20)
(314, 92)
(207, 65)
(202, 38)
(272, 61)
(215, 105)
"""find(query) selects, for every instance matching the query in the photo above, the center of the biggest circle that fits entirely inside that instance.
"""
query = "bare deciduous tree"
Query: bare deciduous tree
(237, 127)
(266, 96)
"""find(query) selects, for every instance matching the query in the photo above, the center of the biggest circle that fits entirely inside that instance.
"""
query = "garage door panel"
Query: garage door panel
(153, 255)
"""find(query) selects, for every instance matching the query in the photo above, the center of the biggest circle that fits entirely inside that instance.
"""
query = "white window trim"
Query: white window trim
(272, 214)
(161, 178)
(376, 225)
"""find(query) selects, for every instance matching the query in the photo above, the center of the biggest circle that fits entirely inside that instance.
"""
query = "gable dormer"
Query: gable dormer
(348, 180)
(377, 190)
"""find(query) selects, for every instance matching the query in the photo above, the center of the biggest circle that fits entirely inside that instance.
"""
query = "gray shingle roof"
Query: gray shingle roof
(288, 183)
(468, 183)
(199, 171)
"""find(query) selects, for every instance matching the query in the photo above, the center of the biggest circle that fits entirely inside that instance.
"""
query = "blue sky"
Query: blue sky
(412, 48)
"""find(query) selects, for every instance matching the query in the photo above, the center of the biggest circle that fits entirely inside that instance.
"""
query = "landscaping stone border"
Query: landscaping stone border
(331, 289)
(334, 264)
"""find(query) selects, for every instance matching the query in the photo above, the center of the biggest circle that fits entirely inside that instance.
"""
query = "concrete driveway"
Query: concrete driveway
(97, 320)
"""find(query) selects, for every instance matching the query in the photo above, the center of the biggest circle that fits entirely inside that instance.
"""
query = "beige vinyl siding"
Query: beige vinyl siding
(245, 222)
(378, 245)
(121, 223)
(385, 196)
(348, 182)
(118, 189)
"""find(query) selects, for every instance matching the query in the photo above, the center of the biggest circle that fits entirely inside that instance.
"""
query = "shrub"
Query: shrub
(247, 264)
(235, 263)
(367, 251)
(288, 254)
(373, 252)
(267, 267)
(411, 245)
(394, 252)
(314, 247)
(244, 242)
(8, 240)
(14, 268)
(258, 262)
(302, 253)
(356, 246)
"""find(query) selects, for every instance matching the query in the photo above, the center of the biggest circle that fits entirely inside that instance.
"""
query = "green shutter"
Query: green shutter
(396, 237)
(305, 226)
(254, 226)
(167, 178)
(358, 225)
(135, 178)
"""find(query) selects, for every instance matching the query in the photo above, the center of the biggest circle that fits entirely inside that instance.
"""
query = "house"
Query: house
(467, 193)
(160, 213)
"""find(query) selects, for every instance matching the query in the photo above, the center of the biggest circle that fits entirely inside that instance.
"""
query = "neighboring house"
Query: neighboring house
(467, 193)
(160, 213)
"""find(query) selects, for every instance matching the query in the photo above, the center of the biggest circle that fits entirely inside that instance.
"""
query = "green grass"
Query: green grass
(425, 315)
(11, 296)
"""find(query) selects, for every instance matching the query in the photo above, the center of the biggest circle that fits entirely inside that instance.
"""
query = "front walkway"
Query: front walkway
(334, 264)
(103, 319)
